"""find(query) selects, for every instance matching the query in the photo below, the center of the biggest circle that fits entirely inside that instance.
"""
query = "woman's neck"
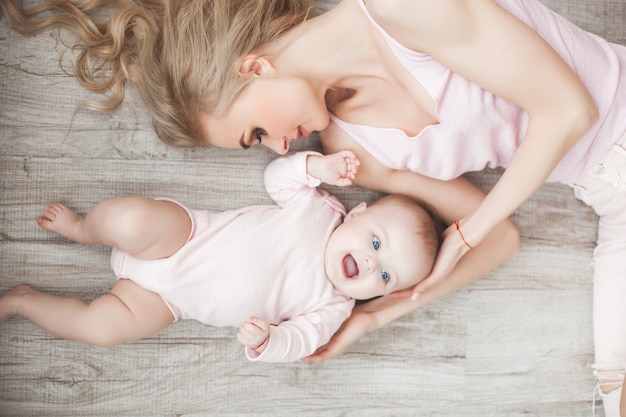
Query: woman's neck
(326, 49)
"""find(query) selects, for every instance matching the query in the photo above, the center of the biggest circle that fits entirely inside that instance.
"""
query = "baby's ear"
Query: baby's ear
(255, 65)
(356, 211)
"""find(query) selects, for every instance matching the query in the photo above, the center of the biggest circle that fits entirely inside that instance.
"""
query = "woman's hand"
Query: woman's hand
(452, 249)
(357, 325)
(338, 168)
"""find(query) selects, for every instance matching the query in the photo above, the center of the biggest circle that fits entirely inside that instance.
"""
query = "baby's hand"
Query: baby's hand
(336, 169)
(255, 334)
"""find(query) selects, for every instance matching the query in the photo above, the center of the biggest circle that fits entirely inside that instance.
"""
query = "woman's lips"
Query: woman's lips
(303, 131)
(350, 268)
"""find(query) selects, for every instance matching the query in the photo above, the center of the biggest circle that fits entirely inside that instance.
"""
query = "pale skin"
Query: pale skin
(359, 80)
(147, 229)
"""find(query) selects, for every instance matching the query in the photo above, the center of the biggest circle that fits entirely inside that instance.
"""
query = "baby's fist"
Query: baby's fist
(338, 168)
(254, 333)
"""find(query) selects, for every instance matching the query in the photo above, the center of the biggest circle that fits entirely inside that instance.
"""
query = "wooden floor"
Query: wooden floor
(517, 342)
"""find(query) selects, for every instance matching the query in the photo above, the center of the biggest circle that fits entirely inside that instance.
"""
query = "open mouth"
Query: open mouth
(350, 268)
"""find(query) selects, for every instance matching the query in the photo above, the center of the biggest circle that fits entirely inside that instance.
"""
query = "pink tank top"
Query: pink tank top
(477, 129)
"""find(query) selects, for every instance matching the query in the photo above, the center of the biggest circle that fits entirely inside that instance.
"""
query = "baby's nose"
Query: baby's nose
(371, 263)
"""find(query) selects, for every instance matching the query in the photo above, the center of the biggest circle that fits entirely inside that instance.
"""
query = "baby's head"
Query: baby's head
(389, 246)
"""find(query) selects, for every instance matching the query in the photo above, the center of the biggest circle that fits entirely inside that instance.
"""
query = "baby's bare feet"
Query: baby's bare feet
(59, 219)
(8, 306)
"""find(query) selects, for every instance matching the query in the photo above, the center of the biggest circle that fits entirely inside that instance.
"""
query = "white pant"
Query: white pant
(604, 189)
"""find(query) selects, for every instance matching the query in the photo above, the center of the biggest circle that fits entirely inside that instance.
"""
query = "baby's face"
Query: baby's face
(375, 251)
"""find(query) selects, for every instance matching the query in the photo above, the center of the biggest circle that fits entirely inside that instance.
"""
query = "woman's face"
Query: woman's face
(271, 110)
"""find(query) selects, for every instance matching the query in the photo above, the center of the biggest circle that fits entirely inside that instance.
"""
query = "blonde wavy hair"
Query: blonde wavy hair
(181, 55)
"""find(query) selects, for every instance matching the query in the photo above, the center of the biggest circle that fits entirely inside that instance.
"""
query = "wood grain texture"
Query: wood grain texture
(516, 343)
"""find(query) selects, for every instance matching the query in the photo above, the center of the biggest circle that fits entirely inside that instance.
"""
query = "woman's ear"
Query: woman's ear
(356, 211)
(252, 65)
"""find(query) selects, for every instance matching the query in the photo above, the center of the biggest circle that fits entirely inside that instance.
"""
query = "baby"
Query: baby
(289, 272)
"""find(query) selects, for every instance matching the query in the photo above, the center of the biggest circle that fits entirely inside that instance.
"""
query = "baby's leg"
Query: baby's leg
(128, 312)
(143, 227)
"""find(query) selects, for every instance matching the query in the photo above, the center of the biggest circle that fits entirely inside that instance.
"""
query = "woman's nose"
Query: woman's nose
(278, 145)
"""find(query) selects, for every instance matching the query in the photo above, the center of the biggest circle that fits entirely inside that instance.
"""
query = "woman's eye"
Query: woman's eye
(258, 134)
(375, 242)
(384, 275)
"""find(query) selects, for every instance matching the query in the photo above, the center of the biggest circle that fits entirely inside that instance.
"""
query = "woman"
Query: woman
(422, 92)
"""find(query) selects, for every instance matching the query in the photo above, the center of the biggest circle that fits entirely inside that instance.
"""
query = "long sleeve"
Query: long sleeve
(294, 339)
(286, 177)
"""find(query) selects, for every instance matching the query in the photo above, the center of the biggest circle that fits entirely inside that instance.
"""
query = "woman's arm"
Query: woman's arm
(483, 42)
(452, 200)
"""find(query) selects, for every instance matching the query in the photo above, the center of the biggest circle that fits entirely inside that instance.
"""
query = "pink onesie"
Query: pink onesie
(266, 261)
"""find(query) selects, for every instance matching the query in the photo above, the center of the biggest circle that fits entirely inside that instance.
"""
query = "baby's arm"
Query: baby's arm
(297, 337)
(293, 176)
(255, 334)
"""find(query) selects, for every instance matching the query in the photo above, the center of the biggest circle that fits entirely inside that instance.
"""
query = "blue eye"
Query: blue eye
(384, 275)
(375, 242)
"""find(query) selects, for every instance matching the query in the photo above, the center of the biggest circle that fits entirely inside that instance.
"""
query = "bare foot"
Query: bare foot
(8, 306)
(59, 219)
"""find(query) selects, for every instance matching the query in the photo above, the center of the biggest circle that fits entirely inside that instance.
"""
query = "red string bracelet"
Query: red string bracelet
(458, 229)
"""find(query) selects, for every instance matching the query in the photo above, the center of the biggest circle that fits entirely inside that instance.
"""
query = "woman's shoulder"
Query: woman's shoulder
(417, 23)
